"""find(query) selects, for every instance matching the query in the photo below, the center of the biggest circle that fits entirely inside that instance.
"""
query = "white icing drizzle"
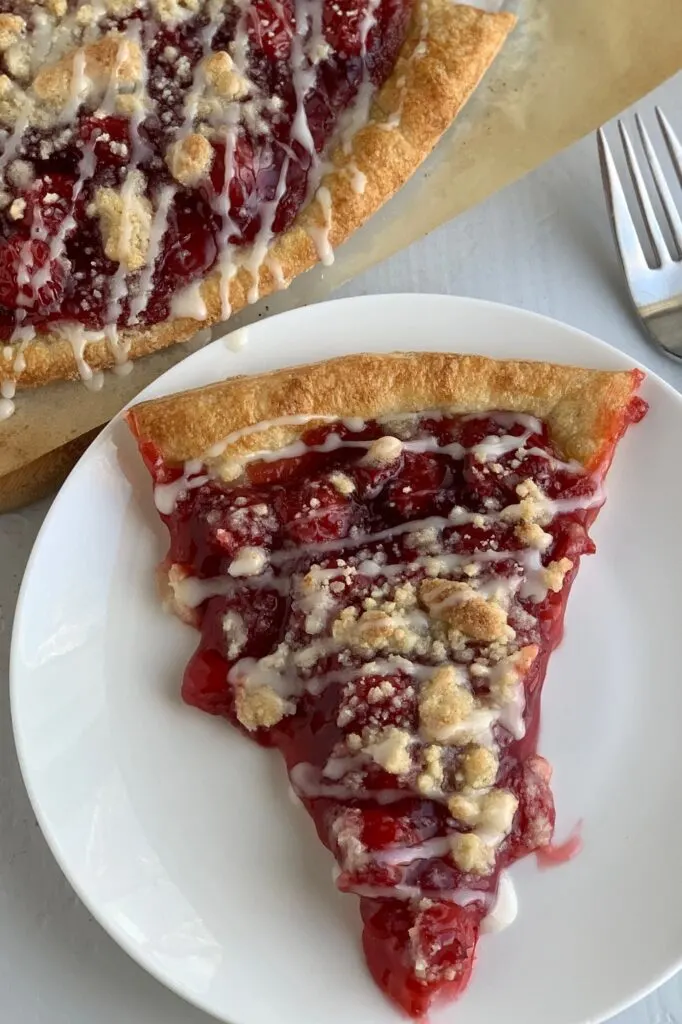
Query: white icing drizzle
(166, 495)
(261, 427)
(191, 591)
(437, 847)
(189, 302)
(221, 204)
(358, 115)
(236, 340)
(79, 86)
(505, 906)
(158, 230)
(490, 448)
(21, 336)
(265, 233)
(7, 392)
(308, 782)
(275, 268)
(118, 285)
(462, 897)
(357, 178)
(78, 338)
(303, 74)
(320, 232)
(249, 672)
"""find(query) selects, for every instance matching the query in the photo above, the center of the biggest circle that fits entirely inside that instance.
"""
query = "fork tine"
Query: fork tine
(673, 143)
(650, 221)
(627, 239)
(667, 201)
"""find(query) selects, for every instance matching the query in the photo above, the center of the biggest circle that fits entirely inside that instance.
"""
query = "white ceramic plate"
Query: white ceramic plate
(177, 832)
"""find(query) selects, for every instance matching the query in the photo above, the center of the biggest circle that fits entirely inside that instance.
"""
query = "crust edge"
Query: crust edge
(585, 410)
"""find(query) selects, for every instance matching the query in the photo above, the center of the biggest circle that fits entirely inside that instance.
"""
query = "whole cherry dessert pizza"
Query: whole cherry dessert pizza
(164, 162)
(376, 552)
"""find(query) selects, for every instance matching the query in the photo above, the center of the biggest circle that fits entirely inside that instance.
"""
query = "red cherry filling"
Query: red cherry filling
(390, 830)
(109, 138)
(240, 626)
(211, 524)
(441, 939)
(30, 274)
(413, 494)
(271, 26)
(47, 202)
(314, 512)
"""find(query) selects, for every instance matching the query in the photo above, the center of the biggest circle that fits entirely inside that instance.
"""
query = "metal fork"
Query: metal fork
(656, 290)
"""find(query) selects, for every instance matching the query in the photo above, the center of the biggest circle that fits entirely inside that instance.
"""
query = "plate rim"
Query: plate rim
(156, 389)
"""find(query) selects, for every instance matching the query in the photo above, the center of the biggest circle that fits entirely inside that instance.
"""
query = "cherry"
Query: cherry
(271, 27)
(111, 138)
(153, 459)
(396, 826)
(190, 246)
(369, 480)
(442, 934)
(211, 524)
(28, 270)
(314, 511)
(48, 202)
(344, 29)
(534, 821)
(205, 685)
(412, 494)
(393, 706)
(260, 611)
(482, 483)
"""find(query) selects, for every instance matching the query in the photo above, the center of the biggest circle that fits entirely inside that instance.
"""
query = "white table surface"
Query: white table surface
(543, 244)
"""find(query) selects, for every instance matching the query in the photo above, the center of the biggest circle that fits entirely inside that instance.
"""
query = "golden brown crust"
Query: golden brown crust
(585, 410)
(447, 51)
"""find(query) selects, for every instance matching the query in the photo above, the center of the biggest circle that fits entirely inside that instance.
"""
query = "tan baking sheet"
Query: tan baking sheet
(571, 65)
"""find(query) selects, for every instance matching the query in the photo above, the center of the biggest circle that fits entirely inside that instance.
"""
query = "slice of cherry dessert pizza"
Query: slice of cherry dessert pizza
(165, 162)
(377, 552)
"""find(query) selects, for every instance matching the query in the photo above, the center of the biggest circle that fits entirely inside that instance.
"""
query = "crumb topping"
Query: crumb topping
(532, 508)
(114, 57)
(125, 218)
(374, 630)
(464, 610)
(390, 748)
(259, 707)
(173, 11)
(383, 450)
(478, 767)
(471, 854)
(444, 705)
(497, 810)
(342, 483)
(223, 77)
(11, 27)
(553, 575)
(235, 632)
(189, 159)
(430, 779)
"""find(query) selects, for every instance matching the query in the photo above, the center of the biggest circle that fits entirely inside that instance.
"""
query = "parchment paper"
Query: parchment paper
(570, 66)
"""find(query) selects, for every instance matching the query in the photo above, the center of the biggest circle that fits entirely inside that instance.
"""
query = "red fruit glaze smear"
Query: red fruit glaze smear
(260, 87)
(380, 605)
